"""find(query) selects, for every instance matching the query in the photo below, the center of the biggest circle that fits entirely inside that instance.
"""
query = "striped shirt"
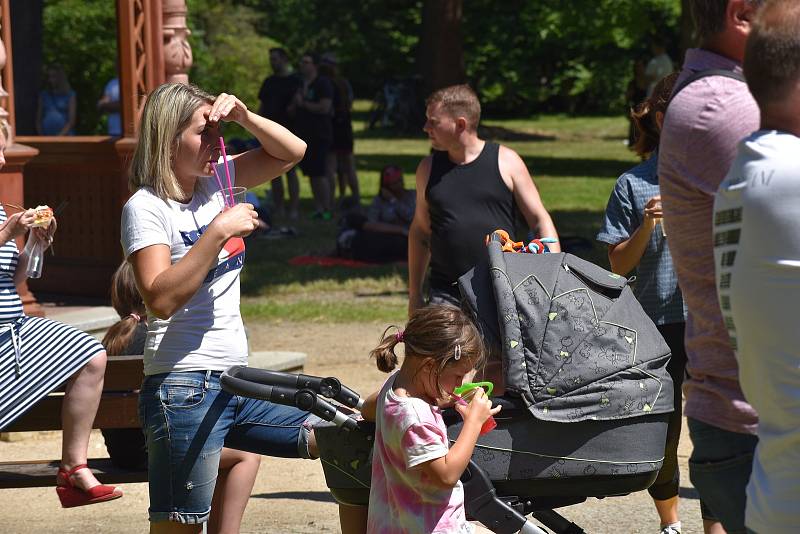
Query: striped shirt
(10, 303)
(37, 355)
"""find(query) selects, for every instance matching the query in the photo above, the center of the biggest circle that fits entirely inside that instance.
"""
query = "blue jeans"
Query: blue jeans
(719, 468)
(187, 419)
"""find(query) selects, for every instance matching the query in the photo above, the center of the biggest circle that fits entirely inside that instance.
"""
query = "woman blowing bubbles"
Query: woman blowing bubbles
(186, 250)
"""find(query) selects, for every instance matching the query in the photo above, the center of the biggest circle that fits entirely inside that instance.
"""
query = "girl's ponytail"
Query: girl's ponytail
(128, 303)
(384, 353)
(119, 335)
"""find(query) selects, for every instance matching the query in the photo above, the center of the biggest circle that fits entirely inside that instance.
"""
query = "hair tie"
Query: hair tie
(399, 336)
(135, 316)
(457, 351)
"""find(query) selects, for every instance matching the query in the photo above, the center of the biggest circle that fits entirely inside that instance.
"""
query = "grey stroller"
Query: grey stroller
(586, 395)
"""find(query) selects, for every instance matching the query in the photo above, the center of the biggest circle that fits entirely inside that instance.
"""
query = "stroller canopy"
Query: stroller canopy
(574, 341)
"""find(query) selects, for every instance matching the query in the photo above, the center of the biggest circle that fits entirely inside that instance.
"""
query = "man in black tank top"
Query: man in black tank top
(465, 190)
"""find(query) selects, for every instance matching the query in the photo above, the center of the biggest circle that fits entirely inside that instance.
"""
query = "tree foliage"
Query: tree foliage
(522, 56)
(81, 36)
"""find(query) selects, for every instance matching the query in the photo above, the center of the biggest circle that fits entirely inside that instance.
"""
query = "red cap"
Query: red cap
(391, 174)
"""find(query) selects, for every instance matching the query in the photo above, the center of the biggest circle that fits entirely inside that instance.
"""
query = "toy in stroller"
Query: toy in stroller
(586, 395)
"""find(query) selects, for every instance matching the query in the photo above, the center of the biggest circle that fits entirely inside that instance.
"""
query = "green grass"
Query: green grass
(574, 161)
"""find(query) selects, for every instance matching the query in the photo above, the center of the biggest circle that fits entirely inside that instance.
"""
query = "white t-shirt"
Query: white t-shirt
(757, 258)
(207, 332)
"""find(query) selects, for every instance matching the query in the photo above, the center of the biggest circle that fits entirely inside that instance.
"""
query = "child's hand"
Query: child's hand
(479, 409)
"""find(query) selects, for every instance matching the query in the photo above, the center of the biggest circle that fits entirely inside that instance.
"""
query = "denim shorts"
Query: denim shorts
(187, 419)
(719, 468)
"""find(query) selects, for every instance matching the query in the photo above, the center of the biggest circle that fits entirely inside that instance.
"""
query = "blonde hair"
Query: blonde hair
(442, 334)
(458, 101)
(167, 113)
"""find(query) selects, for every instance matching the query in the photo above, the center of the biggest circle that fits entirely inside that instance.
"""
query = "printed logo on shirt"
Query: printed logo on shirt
(230, 258)
(191, 237)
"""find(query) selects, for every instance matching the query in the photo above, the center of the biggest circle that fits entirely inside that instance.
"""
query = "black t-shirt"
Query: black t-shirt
(311, 125)
(276, 94)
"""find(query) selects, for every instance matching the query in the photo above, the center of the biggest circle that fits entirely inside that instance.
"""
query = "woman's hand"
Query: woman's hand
(479, 408)
(227, 108)
(238, 221)
(44, 235)
(19, 223)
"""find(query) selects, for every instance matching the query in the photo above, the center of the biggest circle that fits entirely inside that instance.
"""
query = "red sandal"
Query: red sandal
(71, 495)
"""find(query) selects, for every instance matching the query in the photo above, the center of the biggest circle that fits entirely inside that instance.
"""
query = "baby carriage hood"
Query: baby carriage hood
(575, 343)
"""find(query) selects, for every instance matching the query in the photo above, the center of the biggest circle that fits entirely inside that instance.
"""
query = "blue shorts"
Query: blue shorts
(719, 468)
(187, 419)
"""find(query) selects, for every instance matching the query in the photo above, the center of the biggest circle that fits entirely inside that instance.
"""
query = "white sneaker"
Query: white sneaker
(670, 529)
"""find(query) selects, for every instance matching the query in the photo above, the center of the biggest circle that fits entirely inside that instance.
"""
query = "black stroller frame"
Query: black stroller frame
(501, 514)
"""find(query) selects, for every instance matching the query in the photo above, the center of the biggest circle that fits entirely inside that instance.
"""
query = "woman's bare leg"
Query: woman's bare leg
(81, 399)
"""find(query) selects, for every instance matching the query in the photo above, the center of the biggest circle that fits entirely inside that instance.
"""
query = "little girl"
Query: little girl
(126, 446)
(415, 476)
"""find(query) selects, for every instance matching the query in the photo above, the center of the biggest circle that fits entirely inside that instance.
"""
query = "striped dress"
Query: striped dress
(36, 355)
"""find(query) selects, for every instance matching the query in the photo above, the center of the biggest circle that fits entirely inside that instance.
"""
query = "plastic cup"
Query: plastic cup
(228, 198)
(238, 194)
(488, 425)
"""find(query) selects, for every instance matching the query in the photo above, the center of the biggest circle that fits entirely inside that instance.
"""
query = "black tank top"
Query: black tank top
(465, 203)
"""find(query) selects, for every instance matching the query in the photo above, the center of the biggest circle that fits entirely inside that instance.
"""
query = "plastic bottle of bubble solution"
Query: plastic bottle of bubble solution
(35, 260)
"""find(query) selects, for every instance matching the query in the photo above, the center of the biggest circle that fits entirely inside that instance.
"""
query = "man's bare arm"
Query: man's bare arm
(419, 235)
(514, 170)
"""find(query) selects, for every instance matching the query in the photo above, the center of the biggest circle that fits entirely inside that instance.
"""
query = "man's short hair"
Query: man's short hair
(458, 101)
(709, 16)
(280, 51)
(772, 55)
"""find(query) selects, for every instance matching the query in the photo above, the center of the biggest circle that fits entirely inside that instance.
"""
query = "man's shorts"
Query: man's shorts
(719, 468)
(313, 163)
(187, 419)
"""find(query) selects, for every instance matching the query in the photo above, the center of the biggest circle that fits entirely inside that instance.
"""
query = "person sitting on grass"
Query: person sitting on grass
(382, 234)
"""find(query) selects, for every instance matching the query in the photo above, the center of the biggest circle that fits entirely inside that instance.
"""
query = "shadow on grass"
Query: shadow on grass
(267, 264)
(493, 132)
(538, 165)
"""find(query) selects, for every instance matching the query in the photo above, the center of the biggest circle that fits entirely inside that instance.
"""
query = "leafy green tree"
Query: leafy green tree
(81, 36)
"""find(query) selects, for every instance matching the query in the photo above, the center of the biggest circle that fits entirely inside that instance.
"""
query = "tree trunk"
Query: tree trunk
(441, 55)
(26, 37)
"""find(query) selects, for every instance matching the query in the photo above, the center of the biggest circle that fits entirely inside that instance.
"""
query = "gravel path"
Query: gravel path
(290, 496)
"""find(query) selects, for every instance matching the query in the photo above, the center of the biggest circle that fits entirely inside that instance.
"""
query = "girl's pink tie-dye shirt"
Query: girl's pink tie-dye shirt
(402, 499)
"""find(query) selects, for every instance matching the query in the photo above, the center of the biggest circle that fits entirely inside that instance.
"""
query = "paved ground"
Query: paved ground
(290, 496)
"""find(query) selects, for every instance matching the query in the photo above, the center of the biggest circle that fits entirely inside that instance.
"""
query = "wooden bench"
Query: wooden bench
(118, 409)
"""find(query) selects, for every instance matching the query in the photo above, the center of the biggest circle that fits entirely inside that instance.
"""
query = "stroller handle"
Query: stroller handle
(329, 387)
(244, 381)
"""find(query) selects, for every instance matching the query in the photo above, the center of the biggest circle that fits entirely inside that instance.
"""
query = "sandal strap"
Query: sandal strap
(73, 470)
